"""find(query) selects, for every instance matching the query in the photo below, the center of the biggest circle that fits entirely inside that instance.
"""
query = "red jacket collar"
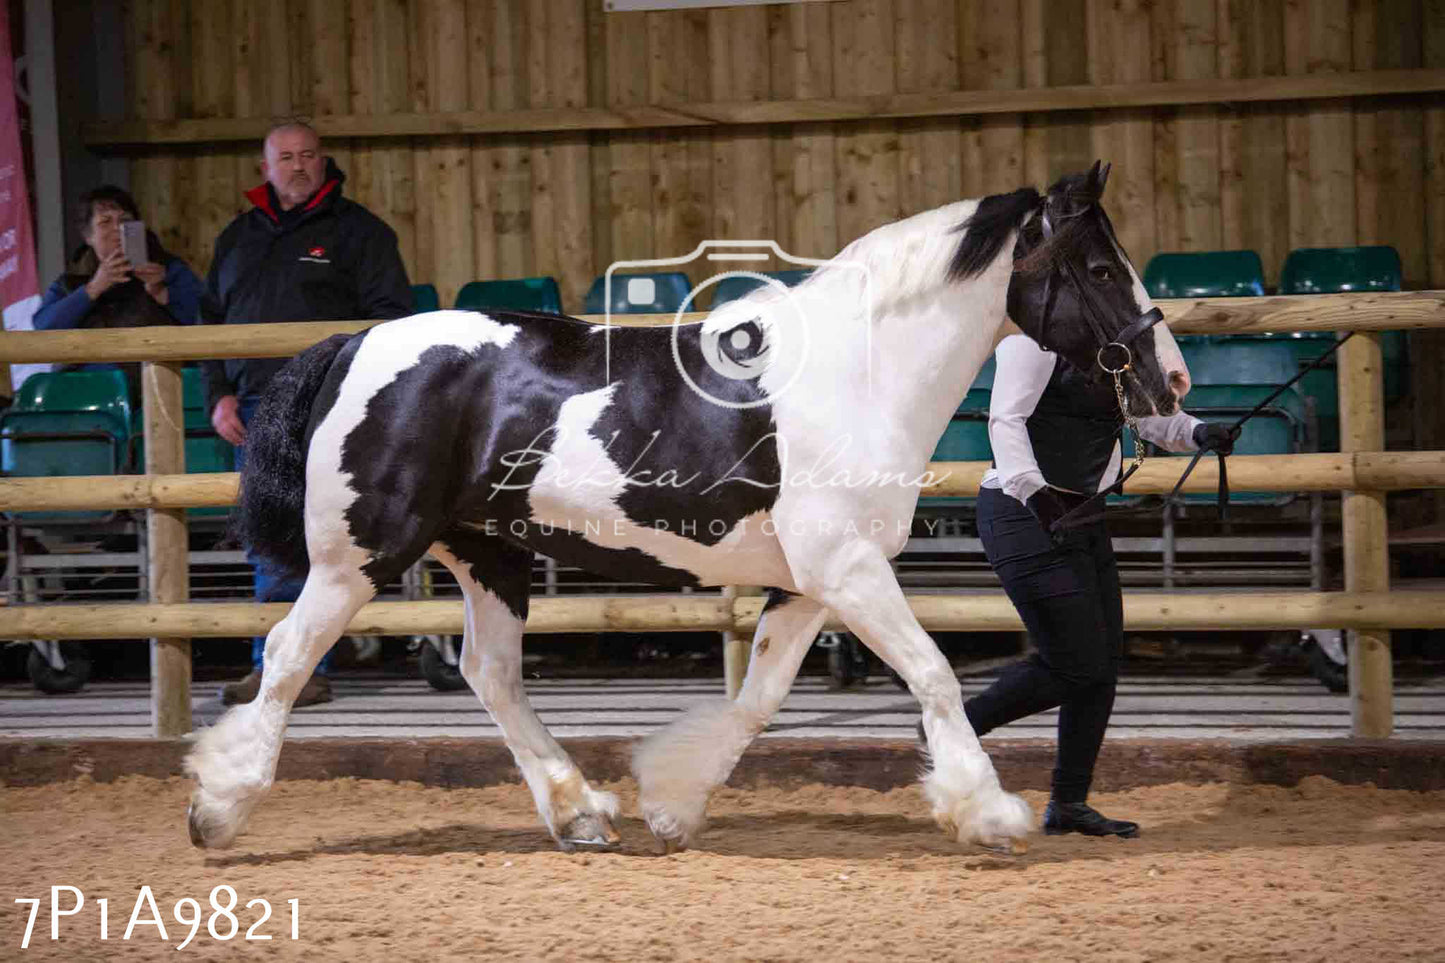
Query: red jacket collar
(261, 197)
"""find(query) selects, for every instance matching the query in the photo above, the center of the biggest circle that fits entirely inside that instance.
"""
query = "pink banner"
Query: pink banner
(18, 281)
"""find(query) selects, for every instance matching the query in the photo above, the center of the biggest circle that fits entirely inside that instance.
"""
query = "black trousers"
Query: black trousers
(1068, 597)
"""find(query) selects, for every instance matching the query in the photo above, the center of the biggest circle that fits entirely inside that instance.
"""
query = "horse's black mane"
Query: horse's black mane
(985, 232)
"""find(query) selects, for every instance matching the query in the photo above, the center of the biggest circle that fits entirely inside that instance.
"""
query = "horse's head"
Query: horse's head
(1074, 291)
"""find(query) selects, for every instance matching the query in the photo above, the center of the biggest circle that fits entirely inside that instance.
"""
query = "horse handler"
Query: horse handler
(1056, 434)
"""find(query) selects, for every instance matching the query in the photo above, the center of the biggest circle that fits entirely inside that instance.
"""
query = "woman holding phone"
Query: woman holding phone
(103, 288)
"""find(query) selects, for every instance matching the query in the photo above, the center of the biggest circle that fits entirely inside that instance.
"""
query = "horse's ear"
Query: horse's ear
(1098, 176)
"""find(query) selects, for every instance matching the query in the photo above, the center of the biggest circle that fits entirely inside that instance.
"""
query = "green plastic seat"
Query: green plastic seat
(1229, 359)
(104, 391)
(67, 423)
(424, 298)
(732, 288)
(660, 293)
(1331, 270)
(1219, 359)
(1204, 274)
(516, 294)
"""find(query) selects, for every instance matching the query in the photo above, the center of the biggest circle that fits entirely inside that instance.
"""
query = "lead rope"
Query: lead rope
(1066, 521)
(1238, 426)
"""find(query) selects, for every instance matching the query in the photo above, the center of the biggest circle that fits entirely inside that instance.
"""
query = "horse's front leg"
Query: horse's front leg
(234, 761)
(680, 765)
(854, 579)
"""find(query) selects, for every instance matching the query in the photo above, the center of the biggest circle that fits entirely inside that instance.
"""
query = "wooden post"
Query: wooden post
(737, 646)
(735, 650)
(1367, 561)
(166, 534)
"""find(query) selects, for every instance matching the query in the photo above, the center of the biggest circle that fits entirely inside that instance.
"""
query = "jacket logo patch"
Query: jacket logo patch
(317, 252)
(317, 255)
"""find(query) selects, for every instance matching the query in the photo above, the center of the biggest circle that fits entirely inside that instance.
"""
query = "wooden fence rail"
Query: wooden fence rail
(716, 613)
(1322, 472)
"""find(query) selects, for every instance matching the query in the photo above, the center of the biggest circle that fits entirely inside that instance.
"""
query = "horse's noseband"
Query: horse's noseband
(1122, 340)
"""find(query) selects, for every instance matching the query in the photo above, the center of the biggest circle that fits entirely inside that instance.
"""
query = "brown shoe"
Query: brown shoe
(242, 692)
(317, 689)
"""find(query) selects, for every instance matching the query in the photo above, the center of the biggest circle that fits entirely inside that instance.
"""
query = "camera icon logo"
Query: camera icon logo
(764, 329)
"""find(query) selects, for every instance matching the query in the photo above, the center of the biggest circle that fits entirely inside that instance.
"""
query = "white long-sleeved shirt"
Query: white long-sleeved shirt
(1023, 372)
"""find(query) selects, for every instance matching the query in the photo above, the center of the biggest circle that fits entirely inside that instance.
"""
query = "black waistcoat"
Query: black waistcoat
(1074, 429)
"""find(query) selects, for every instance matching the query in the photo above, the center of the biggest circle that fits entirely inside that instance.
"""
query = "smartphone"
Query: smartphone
(133, 242)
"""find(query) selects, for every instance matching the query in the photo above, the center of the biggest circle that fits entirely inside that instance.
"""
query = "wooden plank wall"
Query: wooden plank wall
(1266, 176)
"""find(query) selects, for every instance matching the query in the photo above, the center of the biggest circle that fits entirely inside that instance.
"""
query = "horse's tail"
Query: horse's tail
(270, 519)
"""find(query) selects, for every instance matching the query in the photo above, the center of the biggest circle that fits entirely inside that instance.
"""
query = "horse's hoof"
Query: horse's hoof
(205, 834)
(593, 830)
(193, 826)
(1008, 847)
(673, 835)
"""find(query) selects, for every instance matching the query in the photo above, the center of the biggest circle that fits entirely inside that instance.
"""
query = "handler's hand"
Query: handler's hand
(1214, 436)
(1048, 508)
(226, 419)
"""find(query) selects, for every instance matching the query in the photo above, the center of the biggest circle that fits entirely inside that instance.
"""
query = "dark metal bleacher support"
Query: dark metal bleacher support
(1317, 542)
(1169, 546)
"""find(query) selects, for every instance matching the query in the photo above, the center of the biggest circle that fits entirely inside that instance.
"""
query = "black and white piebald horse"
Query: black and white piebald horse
(780, 442)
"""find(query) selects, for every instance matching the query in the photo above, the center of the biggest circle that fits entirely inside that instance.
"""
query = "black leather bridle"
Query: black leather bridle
(1114, 348)
(1086, 511)
(1114, 356)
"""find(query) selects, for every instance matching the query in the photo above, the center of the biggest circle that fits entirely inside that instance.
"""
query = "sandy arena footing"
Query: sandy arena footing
(391, 872)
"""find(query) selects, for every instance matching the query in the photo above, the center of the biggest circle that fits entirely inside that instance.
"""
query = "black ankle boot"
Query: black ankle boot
(1062, 817)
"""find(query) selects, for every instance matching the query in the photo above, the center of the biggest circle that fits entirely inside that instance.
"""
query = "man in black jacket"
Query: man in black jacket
(302, 253)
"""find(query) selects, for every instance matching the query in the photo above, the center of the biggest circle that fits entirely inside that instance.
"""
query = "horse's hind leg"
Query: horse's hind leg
(234, 761)
(495, 578)
(679, 766)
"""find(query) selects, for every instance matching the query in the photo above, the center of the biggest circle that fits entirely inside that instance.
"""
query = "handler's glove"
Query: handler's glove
(1048, 508)
(1213, 436)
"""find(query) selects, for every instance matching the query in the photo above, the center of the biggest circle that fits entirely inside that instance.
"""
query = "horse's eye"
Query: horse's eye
(1101, 273)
